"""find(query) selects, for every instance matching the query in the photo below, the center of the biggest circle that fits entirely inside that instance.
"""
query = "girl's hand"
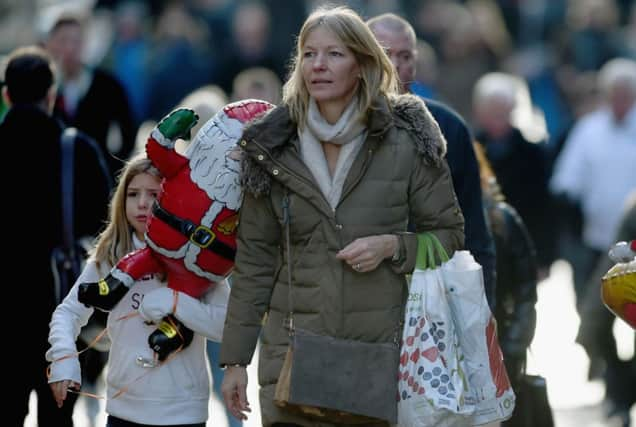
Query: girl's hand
(234, 390)
(60, 389)
(366, 253)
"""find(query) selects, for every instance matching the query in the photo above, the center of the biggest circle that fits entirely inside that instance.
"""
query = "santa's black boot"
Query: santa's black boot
(103, 295)
(170, 335)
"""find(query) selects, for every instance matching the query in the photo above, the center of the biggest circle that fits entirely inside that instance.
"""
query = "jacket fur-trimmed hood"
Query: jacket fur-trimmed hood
(275, 129)
(412, 114)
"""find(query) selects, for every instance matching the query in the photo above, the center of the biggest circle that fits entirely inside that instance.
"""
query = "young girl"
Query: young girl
(138, 391)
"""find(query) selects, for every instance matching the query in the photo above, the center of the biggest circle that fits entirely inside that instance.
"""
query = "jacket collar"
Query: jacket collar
(265, 138)
(276, 128)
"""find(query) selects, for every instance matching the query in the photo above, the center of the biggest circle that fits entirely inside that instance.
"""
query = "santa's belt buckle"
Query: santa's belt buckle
(202, 236)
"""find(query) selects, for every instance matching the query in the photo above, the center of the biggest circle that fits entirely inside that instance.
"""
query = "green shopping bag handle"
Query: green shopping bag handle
(424, 259)
(428, 247)
(441, 252)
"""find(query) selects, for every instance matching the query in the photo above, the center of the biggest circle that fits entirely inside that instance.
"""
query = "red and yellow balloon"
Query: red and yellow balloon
(618, 289)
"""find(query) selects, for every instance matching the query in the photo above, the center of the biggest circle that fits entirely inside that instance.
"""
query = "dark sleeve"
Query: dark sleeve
(465, 174)
(522, 284)
(432, 208)
(93, 184)
(468, 189)
(257, 251)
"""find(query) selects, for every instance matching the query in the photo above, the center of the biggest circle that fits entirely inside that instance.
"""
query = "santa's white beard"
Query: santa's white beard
(227, 189)
(218, 177)
(212, 170)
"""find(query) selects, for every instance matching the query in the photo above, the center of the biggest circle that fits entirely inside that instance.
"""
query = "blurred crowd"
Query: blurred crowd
(161, 50)
(548, 88)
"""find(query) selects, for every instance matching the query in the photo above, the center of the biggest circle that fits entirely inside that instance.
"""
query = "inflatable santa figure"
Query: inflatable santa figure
(191, 234)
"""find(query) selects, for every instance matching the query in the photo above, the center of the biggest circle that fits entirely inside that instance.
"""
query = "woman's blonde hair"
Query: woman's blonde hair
(377, 75)
(116, 240)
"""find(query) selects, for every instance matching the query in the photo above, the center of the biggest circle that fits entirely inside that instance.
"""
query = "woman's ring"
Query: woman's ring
(356, 267)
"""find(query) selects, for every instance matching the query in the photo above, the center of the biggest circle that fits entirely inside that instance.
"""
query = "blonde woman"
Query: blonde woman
(352, 161)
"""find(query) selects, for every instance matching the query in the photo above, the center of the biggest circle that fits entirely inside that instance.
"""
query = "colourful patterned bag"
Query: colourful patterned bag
(432, 383)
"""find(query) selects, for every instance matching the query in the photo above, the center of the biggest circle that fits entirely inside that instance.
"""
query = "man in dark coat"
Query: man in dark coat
(90, 99)
(398, 37)
(31, 138)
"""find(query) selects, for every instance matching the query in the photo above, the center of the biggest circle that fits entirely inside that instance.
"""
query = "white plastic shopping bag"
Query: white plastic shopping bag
(477, 331)
(432, 384)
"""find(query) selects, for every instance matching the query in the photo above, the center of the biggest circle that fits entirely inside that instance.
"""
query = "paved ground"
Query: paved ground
(588, 416)
(576, 401)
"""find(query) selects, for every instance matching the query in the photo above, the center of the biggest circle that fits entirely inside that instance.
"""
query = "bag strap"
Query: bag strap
(423, 252)
(68, 164)
(68, 140)
(99, 155)
(441, 252)
(428, 247)
(286, 221)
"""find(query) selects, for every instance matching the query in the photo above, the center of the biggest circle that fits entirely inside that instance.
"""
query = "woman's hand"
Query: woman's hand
(234, 390)
(366, 253)
(60, 389)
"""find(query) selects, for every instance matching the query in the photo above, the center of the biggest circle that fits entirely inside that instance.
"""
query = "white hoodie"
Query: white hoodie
(176, 392)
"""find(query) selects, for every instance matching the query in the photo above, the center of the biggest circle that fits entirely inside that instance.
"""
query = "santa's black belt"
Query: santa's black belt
(200, 235)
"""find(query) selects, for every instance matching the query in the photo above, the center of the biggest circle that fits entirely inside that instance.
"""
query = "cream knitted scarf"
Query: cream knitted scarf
(348, 132)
